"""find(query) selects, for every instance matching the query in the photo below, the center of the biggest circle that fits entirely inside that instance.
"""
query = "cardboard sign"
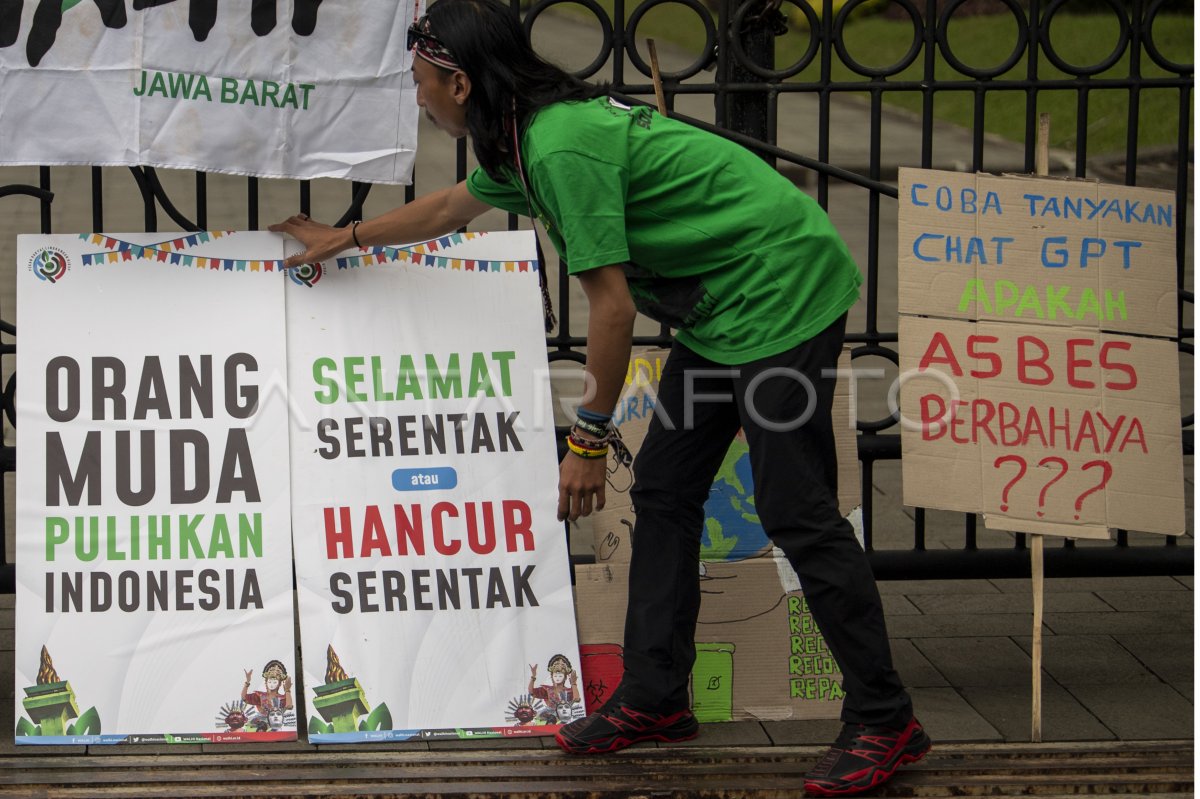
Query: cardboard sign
(731, 527)
(154, 585)
(1024, 406)
(1037, 251)
(1045, 427)
(760, 654)
(301, 89)
(435, 598)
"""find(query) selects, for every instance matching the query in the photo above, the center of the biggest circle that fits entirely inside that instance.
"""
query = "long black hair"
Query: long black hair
(509, 81)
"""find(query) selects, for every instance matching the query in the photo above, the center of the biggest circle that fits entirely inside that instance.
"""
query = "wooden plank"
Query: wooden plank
(1162, 768)
(1175, 763)
(647, 756)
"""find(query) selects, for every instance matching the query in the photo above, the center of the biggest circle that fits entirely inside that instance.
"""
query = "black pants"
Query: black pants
(790, 435)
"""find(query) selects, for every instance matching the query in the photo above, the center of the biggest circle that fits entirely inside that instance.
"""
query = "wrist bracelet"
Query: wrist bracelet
(586, 452)
(593, 416)
(585, 448)
(354, 232)
(588, 443)
(592, 428)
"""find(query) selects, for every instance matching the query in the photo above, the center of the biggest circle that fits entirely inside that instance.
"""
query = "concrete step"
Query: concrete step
(1154, 768)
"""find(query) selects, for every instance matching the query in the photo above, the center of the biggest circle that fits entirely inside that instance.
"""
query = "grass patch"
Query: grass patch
(1081, 40)
(984, 42)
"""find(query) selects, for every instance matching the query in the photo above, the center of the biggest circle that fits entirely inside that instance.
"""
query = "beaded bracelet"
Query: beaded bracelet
(588, 443)
(354, 232)
(586, 452)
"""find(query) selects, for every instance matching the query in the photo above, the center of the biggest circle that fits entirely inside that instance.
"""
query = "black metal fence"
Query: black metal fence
(746, 88)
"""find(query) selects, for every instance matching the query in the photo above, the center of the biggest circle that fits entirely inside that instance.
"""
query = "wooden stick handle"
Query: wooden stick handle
(1042, 155)
(1037, 551)
(1036, 554)
(656, 76)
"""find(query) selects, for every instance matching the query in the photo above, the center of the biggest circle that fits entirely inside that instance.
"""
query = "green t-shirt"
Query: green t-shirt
(716, 243)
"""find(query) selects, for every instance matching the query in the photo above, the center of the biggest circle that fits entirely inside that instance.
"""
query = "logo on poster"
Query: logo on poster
(307, 274)
(50, 264)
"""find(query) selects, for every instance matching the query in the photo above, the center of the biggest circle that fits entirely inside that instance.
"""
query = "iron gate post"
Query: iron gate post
(745, 112)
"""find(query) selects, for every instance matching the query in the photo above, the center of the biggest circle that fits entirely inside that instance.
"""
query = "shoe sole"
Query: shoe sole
(616, 744)
(878, 777)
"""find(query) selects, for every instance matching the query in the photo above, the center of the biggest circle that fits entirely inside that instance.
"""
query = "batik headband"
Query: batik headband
(429, 47)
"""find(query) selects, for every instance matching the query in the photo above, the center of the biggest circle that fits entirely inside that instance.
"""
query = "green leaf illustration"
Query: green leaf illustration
(87, 724)
(380, 719)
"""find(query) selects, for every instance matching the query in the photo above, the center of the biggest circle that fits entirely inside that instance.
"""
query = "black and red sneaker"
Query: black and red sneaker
(865, 757)
(617, 725)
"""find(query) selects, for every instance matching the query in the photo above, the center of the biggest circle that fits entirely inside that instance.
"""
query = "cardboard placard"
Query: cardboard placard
(731, 528)
(1053, 437)
(759, 653)
(1037, 251)
(1020, 396)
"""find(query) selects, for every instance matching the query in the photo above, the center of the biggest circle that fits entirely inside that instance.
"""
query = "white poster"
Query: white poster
(435, 598)
(154, 580)
(299, 89)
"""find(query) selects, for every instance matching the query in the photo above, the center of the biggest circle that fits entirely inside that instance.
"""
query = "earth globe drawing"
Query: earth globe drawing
(731, 526)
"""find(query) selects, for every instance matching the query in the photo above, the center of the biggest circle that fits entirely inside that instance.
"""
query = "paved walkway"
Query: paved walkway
(1118, 652)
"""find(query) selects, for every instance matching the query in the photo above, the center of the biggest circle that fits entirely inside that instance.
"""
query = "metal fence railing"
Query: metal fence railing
(746, 91)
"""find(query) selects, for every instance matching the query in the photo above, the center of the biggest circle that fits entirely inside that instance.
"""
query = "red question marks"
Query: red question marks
(1017, 459)
(1062, 471)
(1063, 467)
(1107, 468)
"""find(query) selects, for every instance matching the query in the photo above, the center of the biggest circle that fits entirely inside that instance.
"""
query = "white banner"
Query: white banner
(433, 579)
(154, 580)
(300, 89)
